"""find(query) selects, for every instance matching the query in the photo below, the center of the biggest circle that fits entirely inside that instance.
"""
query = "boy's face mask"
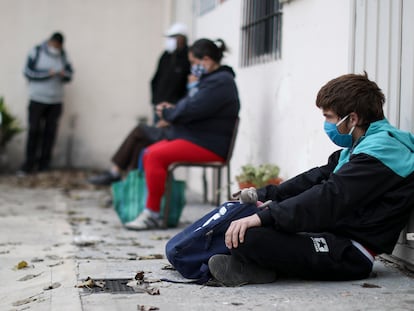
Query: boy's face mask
(342, 140)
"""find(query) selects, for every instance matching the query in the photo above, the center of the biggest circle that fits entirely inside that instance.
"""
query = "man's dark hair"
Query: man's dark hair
(206, 47)
(353, 93)
(58, 37)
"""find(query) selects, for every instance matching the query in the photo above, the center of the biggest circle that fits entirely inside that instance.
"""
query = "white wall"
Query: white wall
(279, 120)
(114, 47)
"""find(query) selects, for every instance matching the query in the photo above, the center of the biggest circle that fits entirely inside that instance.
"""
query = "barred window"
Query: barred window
(205, 6)
(261, 31)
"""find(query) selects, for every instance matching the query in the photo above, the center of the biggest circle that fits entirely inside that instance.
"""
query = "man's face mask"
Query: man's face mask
(170, 44)
(52, 50)
(342, 140)
(198, 70)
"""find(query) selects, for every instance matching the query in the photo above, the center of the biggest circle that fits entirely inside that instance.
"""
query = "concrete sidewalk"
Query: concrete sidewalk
(67, 236)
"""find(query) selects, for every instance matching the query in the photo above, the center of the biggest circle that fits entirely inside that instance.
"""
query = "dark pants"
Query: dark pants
(43, 124)
(320, 256)
(126, 158)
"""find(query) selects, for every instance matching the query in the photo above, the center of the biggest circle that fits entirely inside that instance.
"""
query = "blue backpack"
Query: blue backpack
(190, 250)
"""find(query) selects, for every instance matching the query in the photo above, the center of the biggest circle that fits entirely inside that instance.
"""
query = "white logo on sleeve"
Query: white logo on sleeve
(320, 245)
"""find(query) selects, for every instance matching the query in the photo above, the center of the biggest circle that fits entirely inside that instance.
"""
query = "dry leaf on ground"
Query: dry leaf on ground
(152, 256)
(52, 286)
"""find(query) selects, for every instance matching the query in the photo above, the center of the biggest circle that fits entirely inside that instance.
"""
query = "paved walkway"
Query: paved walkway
(67, 236)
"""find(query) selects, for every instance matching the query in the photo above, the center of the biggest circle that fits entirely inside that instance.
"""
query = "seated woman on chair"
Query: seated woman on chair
(201, 126)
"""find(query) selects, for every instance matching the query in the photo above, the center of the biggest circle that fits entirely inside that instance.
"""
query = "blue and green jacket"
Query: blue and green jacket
(365, 193)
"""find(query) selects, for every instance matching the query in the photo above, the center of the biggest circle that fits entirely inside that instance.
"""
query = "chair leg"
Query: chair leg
(228, 182)
(218, 189)
(205, 187)
(168, 193)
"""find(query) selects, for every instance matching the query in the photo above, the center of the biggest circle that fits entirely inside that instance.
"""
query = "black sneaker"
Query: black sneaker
(24, 170)
(104, 179)
(230, 272)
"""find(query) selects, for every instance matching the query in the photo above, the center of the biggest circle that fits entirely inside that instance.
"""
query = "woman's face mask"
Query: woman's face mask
(198, 70)
(170, 44)
(342, 140)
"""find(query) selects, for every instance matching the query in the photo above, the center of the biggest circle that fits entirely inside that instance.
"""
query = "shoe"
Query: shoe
(24, 170)
(104, 179)
(145, 221)
(21, 173)
(230, 272)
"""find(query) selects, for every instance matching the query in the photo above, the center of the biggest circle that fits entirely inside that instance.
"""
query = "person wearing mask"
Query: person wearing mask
(330, 222)
(126, 157)
(169, 84)
(170, 78)
(47, 70)
(201, 126)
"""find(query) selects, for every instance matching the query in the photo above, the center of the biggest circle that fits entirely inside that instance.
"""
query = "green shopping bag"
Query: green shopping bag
(129, 197)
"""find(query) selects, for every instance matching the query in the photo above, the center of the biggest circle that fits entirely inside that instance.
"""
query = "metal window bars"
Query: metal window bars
(261, 32)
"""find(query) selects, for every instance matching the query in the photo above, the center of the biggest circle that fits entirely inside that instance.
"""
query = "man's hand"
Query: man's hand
(235, 233)
(162, 123)
(192, 78)
(159, 107)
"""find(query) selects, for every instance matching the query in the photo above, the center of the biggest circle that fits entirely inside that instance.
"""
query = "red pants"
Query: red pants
(160, 155)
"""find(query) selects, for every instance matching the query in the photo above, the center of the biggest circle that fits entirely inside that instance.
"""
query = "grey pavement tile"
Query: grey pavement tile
(67, 236)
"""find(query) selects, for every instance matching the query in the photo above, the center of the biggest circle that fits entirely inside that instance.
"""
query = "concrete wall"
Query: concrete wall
(114, 47)
(279, 120)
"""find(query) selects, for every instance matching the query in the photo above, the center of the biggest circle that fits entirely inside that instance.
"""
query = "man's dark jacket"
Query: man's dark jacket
(365, 193)
(170, 79)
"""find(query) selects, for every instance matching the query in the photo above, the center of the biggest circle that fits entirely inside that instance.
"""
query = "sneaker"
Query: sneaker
(104, 179)
(21, 173)
(24, 170)
(145, 221)
(230, 272)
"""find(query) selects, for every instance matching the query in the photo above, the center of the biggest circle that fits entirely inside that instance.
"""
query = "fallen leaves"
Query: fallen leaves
(85, 240)
(90, 283)
(22, 265)
(65, 179)
(369, 285)
(160, 237)
(147, 308)
(143, 285)
(52, 286)
(151, 257)
(29, 277)
(25, 301)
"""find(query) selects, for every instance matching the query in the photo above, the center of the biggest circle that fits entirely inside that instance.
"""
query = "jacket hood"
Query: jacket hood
(228, 69)
(405, 138)
(223, 68)
(393, 147)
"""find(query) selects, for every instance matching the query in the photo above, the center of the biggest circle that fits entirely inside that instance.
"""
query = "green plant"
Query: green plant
(9, 125)
(258, 176)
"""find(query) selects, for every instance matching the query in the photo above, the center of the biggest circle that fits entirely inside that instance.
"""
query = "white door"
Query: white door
(383, 46)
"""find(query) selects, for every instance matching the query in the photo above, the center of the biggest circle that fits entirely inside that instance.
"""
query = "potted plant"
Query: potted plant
(9, 125)
(258, 176)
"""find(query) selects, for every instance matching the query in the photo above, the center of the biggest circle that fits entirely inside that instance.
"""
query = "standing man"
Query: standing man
(47, 69)
(169, 83)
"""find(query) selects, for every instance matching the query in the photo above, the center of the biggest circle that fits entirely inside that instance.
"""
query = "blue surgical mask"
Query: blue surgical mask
(342, 140)
(198, 70)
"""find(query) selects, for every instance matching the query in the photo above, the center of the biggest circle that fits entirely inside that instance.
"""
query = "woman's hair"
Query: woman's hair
(353, 93)
(206, 47)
